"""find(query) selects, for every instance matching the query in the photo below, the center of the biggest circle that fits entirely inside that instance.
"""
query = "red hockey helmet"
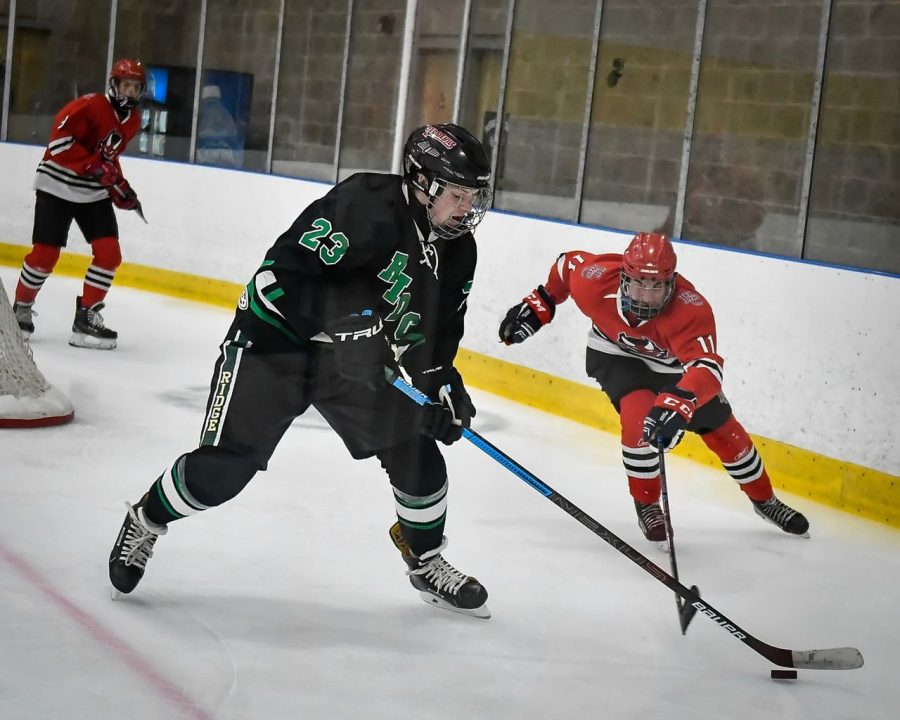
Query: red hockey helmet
(648, 275)
(125, 69)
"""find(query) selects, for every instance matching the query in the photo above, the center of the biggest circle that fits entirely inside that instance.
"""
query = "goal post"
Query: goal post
(26, 398)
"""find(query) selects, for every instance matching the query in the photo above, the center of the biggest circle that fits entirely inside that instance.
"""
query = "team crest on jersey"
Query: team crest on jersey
(688, 297)
(109, 146)
(592, 272)
(643, 345)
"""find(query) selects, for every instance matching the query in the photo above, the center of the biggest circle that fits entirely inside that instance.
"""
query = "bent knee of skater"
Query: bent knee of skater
(214, 475)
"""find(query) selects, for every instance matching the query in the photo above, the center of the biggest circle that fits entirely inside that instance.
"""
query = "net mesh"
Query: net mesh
(26, 398)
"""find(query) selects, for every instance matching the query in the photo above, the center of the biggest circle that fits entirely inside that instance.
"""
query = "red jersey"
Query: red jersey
(682, 338)
(83, 130)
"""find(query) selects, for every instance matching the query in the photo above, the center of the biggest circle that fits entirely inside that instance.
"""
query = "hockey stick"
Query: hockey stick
(845, 658)
(686, 612)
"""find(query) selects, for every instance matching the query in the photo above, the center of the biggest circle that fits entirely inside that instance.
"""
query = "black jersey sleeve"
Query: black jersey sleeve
(324, 266)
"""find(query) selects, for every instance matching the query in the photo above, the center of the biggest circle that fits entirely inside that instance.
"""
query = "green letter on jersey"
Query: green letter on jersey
(394, 275)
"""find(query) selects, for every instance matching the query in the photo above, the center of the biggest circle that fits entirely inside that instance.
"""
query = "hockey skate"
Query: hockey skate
(24, 316)
(439, 583)
(88, 330)
(652, 523)
(133, 548)
(782, 516)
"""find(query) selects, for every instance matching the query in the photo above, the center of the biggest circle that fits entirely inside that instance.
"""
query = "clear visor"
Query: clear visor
(454, 210)
(646, 297)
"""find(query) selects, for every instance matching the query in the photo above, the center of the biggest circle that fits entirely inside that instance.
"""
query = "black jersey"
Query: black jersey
(364, 245)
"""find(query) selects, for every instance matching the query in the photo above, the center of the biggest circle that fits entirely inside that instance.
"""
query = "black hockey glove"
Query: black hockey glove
(445, 418)
(525, 319)
(436, 421)
(667, 420)
(361, 351)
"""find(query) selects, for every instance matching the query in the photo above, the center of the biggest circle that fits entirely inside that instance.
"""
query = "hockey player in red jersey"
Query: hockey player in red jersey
(652, 348)
(80, 178)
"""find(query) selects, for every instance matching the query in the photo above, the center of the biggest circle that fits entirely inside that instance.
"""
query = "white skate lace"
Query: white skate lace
(137, 546)
(651, 516)
(776, 511)
(439, 572)
(95, 319)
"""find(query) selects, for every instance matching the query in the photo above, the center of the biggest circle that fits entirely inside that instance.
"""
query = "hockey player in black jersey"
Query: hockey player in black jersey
(374, 274)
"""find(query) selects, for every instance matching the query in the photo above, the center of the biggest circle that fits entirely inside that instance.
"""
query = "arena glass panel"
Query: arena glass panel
(754, 100)
(546, 90)
(238, 71)
(434, 64)
(373, 77)
(309, 89)
(59, 53)
(163, 35)
(638, 114)
(481, 79)
(854, 211)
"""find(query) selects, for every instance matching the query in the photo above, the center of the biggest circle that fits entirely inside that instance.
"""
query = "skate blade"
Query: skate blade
(91, 343)
(662, 546)
(116, 594)
(479, 612)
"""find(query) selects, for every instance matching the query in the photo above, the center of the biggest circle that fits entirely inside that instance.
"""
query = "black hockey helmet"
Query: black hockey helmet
(445, 157)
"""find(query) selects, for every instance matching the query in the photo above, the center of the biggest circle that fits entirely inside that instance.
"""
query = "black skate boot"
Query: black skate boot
(133, 548)
(439, 583)
(779, 514)
(651, 522)
(24, 313)
(88, 330)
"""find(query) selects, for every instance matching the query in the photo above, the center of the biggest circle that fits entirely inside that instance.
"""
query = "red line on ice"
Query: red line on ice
(106, 637)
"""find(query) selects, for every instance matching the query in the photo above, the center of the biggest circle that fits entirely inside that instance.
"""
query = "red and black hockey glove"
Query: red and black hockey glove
(361, 351)
(123, 196)
(524, 320)
(105, 172)
(669, 417)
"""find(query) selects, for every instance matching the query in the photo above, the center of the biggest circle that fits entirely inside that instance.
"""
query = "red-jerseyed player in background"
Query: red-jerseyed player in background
(652, 348)
(80, 179)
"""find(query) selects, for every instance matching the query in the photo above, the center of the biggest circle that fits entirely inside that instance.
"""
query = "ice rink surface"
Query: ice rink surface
(291, 602)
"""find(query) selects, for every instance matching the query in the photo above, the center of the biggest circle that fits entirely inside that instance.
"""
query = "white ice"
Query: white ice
(291, 602)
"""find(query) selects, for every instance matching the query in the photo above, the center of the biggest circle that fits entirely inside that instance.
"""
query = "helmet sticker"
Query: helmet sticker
(439, 135)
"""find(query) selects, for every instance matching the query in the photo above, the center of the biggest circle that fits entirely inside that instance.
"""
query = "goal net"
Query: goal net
(26, 398)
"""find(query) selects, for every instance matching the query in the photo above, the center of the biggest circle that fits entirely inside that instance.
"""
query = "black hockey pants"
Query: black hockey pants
(254, 397)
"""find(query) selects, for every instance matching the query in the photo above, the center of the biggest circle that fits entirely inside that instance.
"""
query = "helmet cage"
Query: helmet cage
(645, 309)
(449, 219)
(647, 279)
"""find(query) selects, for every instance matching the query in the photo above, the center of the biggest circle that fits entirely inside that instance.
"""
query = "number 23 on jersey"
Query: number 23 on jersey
(312, 240)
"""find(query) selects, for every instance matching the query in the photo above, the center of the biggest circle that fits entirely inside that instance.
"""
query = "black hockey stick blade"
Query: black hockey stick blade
(687, 612)
(844, 658)
(140, 211)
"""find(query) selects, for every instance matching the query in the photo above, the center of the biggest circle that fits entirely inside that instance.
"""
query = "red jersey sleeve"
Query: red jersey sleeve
(558, 280)
(71, 141)
(694, 344)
